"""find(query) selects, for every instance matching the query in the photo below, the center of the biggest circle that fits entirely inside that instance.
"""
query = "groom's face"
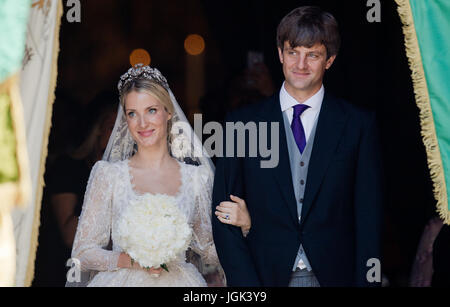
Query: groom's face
(304, 68)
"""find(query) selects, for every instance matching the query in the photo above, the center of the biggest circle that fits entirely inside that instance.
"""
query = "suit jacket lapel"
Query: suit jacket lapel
(330, 125)
(282, 173)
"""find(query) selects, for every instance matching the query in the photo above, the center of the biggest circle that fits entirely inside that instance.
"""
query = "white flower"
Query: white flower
(153, 231)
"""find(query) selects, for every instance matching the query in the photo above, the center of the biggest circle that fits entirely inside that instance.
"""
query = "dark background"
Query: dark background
(371, 70)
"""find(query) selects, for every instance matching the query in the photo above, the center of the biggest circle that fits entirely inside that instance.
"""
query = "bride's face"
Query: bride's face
(147, 119)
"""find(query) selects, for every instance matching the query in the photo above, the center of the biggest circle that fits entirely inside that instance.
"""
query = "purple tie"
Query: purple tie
(297, 127)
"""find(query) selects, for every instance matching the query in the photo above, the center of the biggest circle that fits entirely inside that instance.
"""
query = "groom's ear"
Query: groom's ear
(330, 61)
(280, 54)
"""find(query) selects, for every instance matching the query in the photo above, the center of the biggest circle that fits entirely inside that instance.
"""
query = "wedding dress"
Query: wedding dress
(109, 191)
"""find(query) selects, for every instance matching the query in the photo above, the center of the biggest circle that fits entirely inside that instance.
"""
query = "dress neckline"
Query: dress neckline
(139, 194)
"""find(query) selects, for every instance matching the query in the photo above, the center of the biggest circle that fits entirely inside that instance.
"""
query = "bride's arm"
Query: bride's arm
(235, 213)
(94, 226)
(202, 242)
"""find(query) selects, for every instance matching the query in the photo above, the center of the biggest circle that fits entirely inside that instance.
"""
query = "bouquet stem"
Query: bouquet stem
(164, 267)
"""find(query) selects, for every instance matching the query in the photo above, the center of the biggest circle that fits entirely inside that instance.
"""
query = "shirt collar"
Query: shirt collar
(287, 101)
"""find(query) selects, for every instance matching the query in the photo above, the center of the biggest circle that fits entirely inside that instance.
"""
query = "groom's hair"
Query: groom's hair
(307, 26)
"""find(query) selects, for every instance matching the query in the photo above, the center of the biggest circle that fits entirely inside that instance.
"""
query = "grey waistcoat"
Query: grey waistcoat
(299, 169)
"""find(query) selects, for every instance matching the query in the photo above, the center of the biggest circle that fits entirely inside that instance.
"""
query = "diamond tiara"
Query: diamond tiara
(139, 71)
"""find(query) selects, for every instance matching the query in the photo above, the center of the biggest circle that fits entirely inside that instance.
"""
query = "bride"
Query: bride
(145, 158)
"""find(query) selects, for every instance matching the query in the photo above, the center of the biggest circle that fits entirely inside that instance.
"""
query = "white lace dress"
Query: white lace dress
(108, 192)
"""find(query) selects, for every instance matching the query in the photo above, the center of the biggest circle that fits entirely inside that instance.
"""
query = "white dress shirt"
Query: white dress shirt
(309, 116)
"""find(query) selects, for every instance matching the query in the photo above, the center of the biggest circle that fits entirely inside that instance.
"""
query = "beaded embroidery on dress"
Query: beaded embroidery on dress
(109, 192)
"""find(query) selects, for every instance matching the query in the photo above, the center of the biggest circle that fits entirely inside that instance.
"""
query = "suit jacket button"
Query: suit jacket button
(302, 182)
(302, 163)
(301, 200)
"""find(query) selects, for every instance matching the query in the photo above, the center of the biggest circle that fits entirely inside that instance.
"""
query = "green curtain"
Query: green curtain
(8, 162)
(13, 26)
(426, 25)
(13, 22)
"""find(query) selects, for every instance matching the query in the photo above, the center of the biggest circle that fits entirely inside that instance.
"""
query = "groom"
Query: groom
(316, 216)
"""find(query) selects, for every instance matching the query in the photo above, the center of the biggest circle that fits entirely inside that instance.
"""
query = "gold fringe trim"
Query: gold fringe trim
(44, 151)
(7, 243)
(426, 116)
(14, 193)
(22, 151)
(17, 193)
(9, 193)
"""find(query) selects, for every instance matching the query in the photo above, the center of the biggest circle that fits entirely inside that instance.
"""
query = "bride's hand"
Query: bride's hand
(234, 213)
(125, 261)
(153, 271)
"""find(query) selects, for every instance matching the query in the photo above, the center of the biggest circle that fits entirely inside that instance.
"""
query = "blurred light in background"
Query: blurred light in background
(140, 56)
(194, 44)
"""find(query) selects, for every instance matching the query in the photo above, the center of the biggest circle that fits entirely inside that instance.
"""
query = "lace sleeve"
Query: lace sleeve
(202, 242)
(94, 225)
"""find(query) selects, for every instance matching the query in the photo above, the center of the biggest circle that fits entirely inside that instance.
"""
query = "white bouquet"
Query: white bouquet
(153, 231)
